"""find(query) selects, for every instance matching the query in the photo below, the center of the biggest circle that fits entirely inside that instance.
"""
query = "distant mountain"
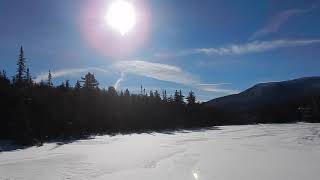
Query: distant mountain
(268, 95)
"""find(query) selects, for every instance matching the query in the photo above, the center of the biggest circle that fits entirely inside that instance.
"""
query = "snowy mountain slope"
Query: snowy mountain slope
(264, 152)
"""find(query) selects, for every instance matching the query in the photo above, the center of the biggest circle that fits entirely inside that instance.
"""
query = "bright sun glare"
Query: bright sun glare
(121, 16)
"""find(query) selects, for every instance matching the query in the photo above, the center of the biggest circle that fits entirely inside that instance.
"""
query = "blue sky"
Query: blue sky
(214, 47)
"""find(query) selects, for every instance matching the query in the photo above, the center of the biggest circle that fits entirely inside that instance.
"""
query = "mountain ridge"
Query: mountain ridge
(269, 93)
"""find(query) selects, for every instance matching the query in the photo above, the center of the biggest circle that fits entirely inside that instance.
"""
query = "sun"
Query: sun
(121, 16)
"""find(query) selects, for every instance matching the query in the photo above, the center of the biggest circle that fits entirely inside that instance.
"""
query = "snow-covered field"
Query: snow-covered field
(253, 152)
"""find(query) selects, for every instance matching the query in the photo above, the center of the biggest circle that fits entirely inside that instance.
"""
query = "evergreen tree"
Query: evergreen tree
(77, 86)
(49, 82)
(157, 95)
(112, 91)
(178, 97)
(89, 81)
(127, 93)
(3, 78)
(3, 75)
(67, 84)
(181, 97)
(151, 94)
(21, 68)
(164, 96)
(28, 77)
(191, 99)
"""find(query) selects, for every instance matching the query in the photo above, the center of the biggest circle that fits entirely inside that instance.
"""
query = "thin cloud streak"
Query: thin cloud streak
(276, 21)
(240, 49)
(216, 88)
(210, 84)
(168, 73)
(157, 71)
(118, 82)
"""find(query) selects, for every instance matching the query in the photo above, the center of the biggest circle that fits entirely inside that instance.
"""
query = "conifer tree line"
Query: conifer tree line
(41, 111)
(33, 112)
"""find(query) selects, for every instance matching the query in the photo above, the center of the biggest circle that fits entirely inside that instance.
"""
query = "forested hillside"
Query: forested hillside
(41, 111)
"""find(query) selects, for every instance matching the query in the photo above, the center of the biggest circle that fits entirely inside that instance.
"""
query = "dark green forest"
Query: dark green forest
(41, 111)
(37, 112)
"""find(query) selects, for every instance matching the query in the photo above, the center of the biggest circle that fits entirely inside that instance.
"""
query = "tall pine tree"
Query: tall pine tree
(50, 84)
(21, 68)
(191, 99)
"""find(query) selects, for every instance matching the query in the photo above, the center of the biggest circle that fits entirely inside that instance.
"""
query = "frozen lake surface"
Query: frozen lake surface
(252, 152)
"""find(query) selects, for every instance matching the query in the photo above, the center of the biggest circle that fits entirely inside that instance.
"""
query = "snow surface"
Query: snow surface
(253, 152)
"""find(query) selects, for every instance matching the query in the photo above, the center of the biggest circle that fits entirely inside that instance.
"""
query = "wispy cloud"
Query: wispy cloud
(67, 72)
(276, 21)
(246, 48)
(158, 71)
(118, 82)
(168, 73)
(218, 88)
